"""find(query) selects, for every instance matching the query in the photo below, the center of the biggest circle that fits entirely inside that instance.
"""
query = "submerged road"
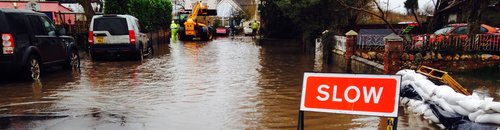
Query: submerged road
(222, 84)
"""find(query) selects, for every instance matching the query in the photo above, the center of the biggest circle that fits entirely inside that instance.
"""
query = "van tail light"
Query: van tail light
(7, 43)
(91, 38)
(131, 35)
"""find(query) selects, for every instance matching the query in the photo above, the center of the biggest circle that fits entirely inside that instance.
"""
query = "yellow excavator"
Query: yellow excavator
(192, 29)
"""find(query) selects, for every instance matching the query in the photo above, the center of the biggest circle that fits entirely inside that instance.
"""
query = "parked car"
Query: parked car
(458, 32)
(117, 35)
(30, 41)
(222, 31)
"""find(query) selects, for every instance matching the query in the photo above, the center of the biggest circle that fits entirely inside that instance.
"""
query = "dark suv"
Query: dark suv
(30, 41)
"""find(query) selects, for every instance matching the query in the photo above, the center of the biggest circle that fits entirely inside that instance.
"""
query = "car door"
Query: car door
(43, 39)
(58, 46)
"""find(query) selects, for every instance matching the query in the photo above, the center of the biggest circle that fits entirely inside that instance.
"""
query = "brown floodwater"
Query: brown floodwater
(221, 84)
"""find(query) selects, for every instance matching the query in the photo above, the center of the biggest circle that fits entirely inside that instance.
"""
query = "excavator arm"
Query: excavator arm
(190, 24)
(198, 8)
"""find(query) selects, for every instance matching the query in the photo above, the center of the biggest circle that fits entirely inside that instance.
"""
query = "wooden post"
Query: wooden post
(350, 48)
(392, 54)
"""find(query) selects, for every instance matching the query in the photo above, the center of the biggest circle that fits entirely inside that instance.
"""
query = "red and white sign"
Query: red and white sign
(358, 94)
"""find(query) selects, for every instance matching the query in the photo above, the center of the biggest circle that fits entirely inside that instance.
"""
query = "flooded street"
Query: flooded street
(221, 84)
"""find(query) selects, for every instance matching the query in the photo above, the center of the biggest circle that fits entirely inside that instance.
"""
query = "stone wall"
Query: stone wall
(358, 64)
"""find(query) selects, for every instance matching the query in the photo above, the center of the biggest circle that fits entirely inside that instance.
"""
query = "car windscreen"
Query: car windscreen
(114, 25)
(443, 31)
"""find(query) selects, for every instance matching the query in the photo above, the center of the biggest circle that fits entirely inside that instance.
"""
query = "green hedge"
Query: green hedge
(153, 14)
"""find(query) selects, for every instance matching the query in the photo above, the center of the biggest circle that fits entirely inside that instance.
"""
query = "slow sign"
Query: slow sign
(358, 94)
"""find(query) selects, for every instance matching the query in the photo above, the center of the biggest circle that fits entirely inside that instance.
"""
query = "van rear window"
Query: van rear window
(115, 26)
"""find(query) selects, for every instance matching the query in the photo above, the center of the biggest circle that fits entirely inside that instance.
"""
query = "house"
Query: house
(225, 10)
(52, 9)
(490, 16)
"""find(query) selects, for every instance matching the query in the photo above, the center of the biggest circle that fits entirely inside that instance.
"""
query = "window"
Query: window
(483, 30)
(443, 31)
(115, 26)
(465, 30)
(16, 23)
(461, 30)
(139, 26)
(49, 27)
(37, 26)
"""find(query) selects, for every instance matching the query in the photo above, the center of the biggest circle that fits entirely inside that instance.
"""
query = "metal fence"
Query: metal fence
(462, 43)
(428, 42)
(370, 42)
(340, 42)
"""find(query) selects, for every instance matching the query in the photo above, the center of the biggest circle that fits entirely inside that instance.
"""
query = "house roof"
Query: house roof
(226, 7)
(44, 6)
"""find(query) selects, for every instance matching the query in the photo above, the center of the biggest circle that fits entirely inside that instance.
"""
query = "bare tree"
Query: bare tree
(438, 16)
(475, 11)
(100, 5)
(428, 9)
(87, 7)
(412, 7)
(381, 13)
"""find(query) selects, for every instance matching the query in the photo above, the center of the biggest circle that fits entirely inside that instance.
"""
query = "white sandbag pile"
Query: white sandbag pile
(477, 108)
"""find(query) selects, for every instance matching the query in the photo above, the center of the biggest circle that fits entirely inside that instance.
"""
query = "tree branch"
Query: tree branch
(371, 13)
(453, 4)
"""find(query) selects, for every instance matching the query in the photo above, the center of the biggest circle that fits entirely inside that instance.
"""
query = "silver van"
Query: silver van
(117, 35)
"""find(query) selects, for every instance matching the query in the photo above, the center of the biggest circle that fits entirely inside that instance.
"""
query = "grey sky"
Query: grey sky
(398, 5)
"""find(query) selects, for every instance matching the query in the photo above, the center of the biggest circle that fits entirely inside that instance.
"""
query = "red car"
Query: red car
(457, 33)
(222, 31)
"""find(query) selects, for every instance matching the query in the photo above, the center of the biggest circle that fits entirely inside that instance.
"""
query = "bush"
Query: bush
(153, 14)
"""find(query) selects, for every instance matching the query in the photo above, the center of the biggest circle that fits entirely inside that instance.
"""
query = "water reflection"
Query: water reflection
(221, 84)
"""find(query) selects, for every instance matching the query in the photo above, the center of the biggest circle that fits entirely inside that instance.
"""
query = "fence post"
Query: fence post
(318, 55)
(350, 48)
(392, 54)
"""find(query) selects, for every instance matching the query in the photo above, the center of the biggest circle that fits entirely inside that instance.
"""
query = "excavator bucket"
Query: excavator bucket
(443, 77)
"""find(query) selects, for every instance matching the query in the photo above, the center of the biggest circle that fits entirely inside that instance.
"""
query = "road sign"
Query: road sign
(358, 94)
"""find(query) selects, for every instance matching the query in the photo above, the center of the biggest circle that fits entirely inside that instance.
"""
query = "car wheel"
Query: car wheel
(32, 68)
(210, 36)
(140, 55)
(73, 61)
(150, 50)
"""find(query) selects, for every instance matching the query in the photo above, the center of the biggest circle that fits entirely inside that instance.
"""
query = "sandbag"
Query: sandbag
(489, 118)
(481, 95)
(405, 72)
(473, 116)
(443, 104)
(404, 101)
(413, 77)
(427, 86)
(419, 110)
(452, 98)
(413, 104)
(421, 92)
(430, 116)
(458, 109)
(471, 104)
(494, 106)
(443, 90)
